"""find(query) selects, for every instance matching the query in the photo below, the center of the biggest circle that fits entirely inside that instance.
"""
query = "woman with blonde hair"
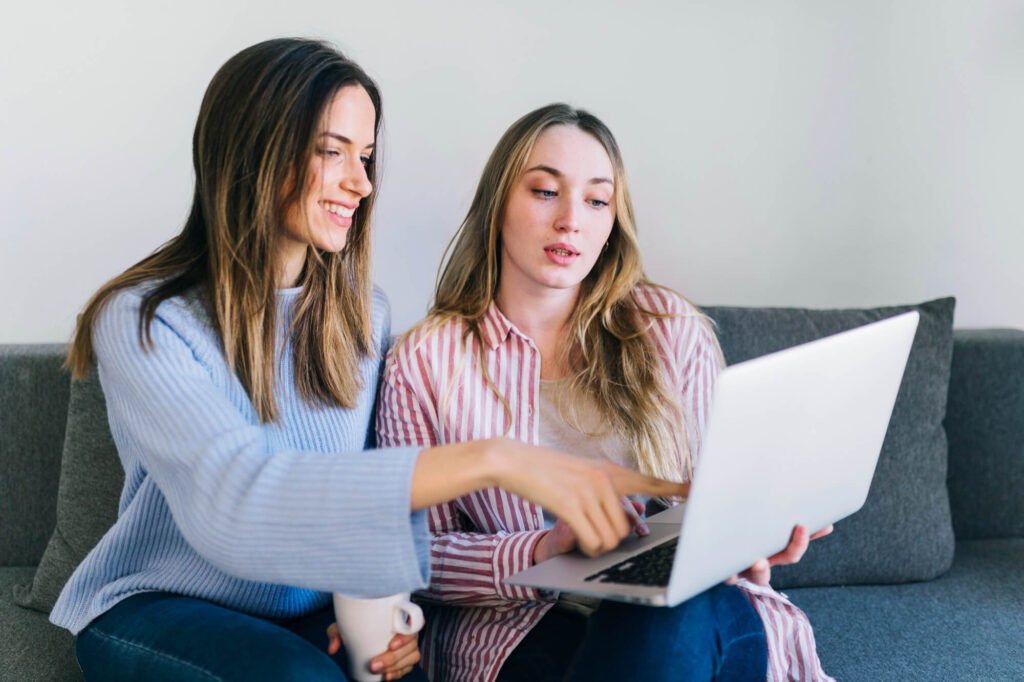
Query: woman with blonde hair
(545, 328)
(240, 363)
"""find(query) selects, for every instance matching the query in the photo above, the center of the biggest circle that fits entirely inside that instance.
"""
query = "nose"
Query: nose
(355, 178)
(568, 218)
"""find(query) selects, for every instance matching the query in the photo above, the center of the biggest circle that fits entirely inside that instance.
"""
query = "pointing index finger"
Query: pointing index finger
(633, 483)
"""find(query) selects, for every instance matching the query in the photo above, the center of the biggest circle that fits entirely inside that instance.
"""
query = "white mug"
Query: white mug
(367, 626)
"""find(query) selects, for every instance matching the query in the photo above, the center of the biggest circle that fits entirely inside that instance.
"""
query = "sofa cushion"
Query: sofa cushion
(903, 532)
(967, 625)
(32, 648)
(91, 478)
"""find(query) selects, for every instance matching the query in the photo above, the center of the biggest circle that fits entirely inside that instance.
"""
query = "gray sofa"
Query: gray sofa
(925, 583)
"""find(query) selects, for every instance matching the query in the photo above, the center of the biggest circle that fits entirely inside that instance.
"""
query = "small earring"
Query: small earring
(605, 247)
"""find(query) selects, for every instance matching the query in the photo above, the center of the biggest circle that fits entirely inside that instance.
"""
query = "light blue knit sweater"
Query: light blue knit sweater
(262, 518)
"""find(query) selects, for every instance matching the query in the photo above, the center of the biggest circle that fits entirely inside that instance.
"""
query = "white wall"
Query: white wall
(819, 153)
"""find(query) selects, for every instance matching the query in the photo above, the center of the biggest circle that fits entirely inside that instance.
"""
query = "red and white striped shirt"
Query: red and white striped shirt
(435, 392)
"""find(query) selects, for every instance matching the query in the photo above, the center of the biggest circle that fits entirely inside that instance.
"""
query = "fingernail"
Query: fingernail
(376, 666)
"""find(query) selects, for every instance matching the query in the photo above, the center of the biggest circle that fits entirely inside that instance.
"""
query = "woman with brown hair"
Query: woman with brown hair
(240, 362)
(544, 328)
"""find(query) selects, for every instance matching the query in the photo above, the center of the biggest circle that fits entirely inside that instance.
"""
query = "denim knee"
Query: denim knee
(163, 637)
(108, 657)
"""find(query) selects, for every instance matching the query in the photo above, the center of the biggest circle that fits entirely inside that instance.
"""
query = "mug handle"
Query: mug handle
(408, 618)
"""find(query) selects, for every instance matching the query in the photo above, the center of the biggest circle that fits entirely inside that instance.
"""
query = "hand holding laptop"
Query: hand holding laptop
(761, 572)
(561, 539)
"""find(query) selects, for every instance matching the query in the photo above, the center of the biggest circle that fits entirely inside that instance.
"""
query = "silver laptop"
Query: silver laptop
(793, 438)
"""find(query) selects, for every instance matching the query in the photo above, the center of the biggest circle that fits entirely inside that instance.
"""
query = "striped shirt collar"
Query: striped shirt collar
(495, 327)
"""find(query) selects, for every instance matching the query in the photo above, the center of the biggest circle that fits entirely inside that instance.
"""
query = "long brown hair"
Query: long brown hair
(253, 141)
(609, 352)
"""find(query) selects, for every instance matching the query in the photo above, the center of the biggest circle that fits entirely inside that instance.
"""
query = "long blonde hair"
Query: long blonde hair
(253, 141)
(610, 353)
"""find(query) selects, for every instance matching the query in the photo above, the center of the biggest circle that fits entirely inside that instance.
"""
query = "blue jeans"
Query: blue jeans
(159, 636)
(716, 635)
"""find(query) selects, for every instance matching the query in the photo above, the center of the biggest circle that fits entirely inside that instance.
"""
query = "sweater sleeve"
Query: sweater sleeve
(467, 567)
(337, 522)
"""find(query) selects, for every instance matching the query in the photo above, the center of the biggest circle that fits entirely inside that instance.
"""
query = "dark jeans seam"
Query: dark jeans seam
(748, 635)
(158, 654)
(741, 639)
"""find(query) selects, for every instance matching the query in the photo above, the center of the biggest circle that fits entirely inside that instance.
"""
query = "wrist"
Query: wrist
(493, 462)
(540, 550)
(445, 472)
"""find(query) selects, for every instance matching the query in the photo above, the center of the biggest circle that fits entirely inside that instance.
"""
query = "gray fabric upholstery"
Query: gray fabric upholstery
(31, 648)
(965, 625)
(91, 478)
(33, 409)
(987, 433)
(903, 532)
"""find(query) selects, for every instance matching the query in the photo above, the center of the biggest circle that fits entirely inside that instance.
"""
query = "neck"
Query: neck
(537, 313)
(292, 258)
(543, 316)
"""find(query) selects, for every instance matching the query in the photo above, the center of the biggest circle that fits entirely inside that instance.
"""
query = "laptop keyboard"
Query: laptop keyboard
(651, 567)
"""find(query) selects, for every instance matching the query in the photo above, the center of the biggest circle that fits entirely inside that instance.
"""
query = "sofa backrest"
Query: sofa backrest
(33, 411)
(985, 427)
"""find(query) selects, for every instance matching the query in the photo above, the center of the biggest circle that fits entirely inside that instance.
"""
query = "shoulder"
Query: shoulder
(432, 331)
(380, 312)
(675, 319)
(380, 305)
(662, 303)
(120, 326)
(426, 340)
(125, 307)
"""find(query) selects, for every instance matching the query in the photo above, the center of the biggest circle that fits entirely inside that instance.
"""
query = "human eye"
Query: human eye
(329, 153)
(545, 193)
(366, 160)
(597, 203)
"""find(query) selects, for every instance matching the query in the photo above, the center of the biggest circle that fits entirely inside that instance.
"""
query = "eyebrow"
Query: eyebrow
(557, 173)
(343, 139)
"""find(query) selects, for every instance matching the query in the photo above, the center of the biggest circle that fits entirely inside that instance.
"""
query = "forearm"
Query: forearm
(583, 493)
(445, 472)
(469, 569)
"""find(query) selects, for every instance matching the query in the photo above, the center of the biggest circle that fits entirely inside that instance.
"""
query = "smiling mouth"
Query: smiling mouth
(338, 209)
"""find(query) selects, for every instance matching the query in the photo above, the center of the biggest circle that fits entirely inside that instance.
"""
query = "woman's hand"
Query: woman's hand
(586, 494)
(402, 654)
(561, 538)
(582, 492)
(761, 572)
